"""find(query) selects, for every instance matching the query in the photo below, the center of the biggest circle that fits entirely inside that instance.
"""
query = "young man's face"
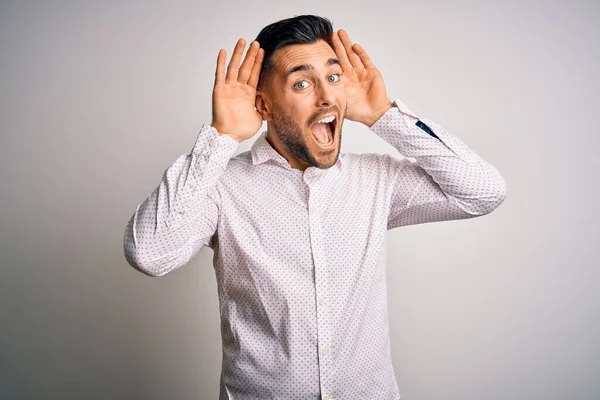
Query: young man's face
(297, 100)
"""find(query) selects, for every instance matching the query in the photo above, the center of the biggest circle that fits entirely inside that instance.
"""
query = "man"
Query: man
(298, 229)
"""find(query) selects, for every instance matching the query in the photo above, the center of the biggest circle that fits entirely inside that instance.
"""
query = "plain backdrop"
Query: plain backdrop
(97, 99)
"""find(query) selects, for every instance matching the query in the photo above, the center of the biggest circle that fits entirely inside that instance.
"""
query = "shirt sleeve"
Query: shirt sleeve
(445, 180)
(180, 216)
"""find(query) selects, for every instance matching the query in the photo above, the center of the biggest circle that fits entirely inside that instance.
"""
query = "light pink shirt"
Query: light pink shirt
(300, 256)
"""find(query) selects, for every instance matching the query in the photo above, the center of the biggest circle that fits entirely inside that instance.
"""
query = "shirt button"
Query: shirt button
(213, 143)
(321, 302)
(312, 210)
(324, 350)
(326, 397)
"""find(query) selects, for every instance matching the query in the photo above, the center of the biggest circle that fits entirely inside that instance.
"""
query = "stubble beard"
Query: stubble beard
(291, 135)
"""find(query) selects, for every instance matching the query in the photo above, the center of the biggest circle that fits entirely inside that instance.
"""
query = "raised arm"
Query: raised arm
(180, 216)
(447, 181)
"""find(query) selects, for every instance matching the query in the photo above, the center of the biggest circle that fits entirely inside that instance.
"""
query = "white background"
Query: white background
(97, 99)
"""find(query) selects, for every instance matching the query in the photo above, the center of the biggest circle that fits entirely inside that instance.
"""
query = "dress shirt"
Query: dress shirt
(300, 256)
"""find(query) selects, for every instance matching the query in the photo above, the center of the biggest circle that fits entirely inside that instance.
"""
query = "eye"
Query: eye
(338, 75)
(296, 85)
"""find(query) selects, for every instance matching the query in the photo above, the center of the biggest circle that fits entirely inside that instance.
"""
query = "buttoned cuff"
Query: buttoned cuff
(210, 145)
(390, 117)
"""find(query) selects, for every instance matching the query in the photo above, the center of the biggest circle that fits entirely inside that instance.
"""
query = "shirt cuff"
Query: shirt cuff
(408, 116)
(404, 108)
(214, 147)
(390, 117)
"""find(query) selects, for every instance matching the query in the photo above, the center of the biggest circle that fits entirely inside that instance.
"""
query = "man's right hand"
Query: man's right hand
(234, 95)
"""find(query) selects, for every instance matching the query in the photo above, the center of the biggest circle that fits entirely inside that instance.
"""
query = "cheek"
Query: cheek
(299, 115)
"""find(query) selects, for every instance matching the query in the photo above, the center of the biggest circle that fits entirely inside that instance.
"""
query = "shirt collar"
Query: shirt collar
(263, 151)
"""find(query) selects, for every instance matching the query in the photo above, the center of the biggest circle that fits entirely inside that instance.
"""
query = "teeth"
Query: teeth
(326, 120)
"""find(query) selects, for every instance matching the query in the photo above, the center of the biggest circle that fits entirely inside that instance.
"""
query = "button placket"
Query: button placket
(321, 290)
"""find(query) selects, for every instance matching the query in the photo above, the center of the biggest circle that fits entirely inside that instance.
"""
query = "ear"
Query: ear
(262, 105)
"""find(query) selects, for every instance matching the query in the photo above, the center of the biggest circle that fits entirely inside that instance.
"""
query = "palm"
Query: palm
(234, 102)
(234, 93)
(364, 88)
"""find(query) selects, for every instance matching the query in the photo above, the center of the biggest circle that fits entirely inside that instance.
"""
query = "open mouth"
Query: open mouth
(324, 133)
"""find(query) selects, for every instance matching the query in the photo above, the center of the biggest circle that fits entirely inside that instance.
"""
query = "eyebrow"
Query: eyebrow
(308, 67)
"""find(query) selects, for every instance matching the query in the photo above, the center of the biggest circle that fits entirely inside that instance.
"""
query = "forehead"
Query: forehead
(316, 54)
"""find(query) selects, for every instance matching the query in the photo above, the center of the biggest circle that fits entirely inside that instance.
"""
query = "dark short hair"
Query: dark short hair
(301, 29)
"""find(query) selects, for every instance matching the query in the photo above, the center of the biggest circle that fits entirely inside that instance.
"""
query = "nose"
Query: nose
(325, 95)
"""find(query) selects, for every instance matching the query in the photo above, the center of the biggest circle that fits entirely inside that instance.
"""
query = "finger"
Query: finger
(234, 64)
(366, 60)
(340, 52)
(354, 58)
(256, 68)
(246, 67)
(220, 72)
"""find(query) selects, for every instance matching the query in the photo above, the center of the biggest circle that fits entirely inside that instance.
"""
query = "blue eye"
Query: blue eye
(338, 75)
(297, 84)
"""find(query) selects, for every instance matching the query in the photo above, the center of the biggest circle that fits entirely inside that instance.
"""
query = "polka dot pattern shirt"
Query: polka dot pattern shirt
(300, 256)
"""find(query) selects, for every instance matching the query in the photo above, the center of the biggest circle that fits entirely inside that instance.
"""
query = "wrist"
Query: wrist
(221, 133)
(230, 135)
(379, 113)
